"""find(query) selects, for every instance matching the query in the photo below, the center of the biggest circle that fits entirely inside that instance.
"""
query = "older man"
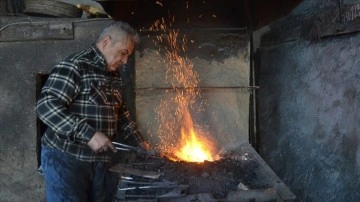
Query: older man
(84, 110)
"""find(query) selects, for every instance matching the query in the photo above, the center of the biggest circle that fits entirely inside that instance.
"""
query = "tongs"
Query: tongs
(125, 147)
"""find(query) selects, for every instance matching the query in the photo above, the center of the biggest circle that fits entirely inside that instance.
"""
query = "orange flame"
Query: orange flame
(192, 146)
(193, 150)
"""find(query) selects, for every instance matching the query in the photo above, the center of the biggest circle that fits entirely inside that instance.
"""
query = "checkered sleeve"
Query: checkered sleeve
(127, 128)
(60, 89)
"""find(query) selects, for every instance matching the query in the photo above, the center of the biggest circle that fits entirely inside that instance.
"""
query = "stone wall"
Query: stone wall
(34, 45)
(308, 100)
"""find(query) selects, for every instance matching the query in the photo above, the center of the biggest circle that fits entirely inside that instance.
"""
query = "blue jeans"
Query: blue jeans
(68, 179)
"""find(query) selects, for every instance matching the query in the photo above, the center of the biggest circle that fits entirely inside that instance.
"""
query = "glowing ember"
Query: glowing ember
(179, 138)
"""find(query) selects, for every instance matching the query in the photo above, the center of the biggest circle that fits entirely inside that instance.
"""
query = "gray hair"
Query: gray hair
(119, 31)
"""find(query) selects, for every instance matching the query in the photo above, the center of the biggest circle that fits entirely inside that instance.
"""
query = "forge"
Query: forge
(240, 175)
(193, 101)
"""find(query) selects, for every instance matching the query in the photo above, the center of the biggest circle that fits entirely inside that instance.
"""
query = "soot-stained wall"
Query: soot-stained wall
(221, 59)
(309, 101)
(30, 45)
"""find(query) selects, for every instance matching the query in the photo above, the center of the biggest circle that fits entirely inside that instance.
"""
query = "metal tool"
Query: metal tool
(155, 186)
(175, 192)
(132, 185)
(144, 183)
(129, 188)
(123, 169)
(125, 147)
(149, 183)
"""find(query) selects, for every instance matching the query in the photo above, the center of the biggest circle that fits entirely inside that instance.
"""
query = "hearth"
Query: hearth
(239, 175)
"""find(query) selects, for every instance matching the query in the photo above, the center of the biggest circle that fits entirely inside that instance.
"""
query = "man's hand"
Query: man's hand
(101, 143)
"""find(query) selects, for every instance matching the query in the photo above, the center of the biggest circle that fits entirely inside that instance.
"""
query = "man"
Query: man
(84, 110)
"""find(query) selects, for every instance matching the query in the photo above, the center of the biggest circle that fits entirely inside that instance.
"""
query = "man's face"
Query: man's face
(117, 54)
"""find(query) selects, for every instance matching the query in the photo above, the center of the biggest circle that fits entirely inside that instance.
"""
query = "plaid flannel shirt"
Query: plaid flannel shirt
(79, 98)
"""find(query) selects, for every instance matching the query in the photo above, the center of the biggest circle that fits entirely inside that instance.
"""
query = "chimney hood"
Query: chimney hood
(252, 14)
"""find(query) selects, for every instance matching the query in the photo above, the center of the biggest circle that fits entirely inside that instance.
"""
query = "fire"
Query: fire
(180, 139)
(191, 148)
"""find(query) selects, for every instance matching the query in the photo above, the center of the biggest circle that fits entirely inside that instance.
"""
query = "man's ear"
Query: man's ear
(106, 41)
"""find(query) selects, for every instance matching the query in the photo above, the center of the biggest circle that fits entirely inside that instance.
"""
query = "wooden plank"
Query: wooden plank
(51, 8)
(30, 31)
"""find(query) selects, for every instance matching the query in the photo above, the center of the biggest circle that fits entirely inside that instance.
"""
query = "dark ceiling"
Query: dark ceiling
(253, 14)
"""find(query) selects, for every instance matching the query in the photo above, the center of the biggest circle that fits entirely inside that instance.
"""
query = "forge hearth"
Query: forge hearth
(240, 175)
(221, 59)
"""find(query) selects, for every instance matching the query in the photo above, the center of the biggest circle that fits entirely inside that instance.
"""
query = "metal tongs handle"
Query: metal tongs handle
(125, 147)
